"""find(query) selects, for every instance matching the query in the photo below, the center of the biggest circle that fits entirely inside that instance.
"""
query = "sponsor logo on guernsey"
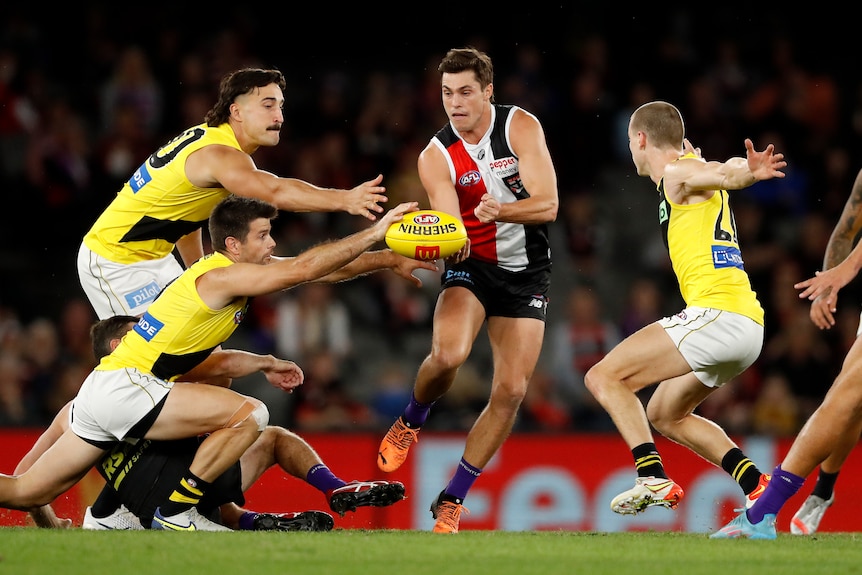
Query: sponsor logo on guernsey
(726, 257)
(140, 178)
(503, 167)
(470, 178)
(143, 295)
(148, 326)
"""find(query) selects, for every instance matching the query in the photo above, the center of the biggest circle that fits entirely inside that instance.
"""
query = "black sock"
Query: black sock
(742, 469)
(825, 484)
(106, 503)
(648, 461)
(185, 496)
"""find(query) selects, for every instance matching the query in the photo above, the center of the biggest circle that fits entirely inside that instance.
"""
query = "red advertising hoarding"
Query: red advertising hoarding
(536, 482)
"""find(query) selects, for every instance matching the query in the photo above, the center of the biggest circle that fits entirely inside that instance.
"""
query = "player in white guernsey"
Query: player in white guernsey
(490, 165)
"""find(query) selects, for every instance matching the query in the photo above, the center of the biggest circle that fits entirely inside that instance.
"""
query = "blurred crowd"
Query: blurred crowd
(71, 135)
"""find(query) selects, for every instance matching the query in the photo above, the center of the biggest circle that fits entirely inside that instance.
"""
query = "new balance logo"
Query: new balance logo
(537, 303)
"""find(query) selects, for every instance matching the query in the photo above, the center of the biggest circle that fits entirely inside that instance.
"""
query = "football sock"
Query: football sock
(742, 469)
(185, 496)
(462, 481)
(106, 503)
(648, 461)
(246, 521)
(825, 484)
(321, 478)
(416, 413)
(782, 487)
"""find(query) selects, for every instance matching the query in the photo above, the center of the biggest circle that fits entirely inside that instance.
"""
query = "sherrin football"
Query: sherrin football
(427, 235)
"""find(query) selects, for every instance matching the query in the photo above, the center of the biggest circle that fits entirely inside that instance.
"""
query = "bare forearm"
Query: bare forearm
(229, 363)
(848, 227)
(366, 263)
(299, 196)
(535, 210)
(737, 174)
(325, 259)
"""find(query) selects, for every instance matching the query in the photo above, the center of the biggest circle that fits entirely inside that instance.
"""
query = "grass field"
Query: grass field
(33, 551)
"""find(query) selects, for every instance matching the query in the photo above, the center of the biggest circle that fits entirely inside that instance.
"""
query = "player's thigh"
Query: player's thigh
(516, 343)
(646, 357)
(60, 467)
(192, 409)
(458, 317)
(678, 397)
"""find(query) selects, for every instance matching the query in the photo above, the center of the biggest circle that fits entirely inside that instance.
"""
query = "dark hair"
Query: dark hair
(469, 58)
(661, 122)
(103, 331)
(237, 83)
(232, 217)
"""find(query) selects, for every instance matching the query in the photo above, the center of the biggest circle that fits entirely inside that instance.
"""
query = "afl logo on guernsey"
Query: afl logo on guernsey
(239, 316)
(471, 178)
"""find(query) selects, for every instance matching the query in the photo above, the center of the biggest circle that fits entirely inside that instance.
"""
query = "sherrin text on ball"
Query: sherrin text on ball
(427, 235)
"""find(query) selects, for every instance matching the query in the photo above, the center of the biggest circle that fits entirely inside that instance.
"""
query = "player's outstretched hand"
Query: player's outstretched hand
(823, 290)
(365, 199)
(284, 375)
(406, 268)
(764, 165)
(392, 216)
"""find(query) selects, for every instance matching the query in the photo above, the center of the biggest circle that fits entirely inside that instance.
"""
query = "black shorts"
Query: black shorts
(501, 292)
(145, 474)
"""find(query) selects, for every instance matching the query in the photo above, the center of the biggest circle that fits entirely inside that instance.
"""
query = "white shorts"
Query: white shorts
(718, 345)
(123, 289)
(110, 403)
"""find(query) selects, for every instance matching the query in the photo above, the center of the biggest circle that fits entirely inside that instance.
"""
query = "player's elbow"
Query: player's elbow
(552, 206)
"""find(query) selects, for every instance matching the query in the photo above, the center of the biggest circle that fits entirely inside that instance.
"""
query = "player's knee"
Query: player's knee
(594, 381)
(250, 411)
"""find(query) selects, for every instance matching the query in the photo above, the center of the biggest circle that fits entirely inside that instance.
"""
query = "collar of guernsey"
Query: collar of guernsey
(178, 330)
(707, 276)
(159, 204)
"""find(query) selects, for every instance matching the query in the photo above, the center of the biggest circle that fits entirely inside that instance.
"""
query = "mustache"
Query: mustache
(275, 127)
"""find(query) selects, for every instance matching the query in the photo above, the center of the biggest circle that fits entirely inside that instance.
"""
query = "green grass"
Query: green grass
(343, 552)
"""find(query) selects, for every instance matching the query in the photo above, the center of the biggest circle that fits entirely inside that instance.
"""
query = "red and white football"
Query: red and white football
(427, 235)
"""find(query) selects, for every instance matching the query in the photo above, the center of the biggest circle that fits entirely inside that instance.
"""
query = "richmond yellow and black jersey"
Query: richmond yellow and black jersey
(159, 204)
(704, 251)
(178, 331)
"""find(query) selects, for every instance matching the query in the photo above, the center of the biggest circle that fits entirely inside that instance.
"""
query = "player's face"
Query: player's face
(638, 156)
(464, 100)
(258, 245)
(260, 114)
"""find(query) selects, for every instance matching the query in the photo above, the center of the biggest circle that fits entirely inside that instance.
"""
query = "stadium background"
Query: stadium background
(87, 94)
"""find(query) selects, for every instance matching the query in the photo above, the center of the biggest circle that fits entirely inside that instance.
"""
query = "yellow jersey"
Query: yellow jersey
(159, 204)
(178, 331)
(704, 251)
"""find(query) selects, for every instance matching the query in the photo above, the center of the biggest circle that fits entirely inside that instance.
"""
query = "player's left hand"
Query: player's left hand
(364, 199)
(688, 148)
(461, 254)
(826, 284)
(285, 375)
